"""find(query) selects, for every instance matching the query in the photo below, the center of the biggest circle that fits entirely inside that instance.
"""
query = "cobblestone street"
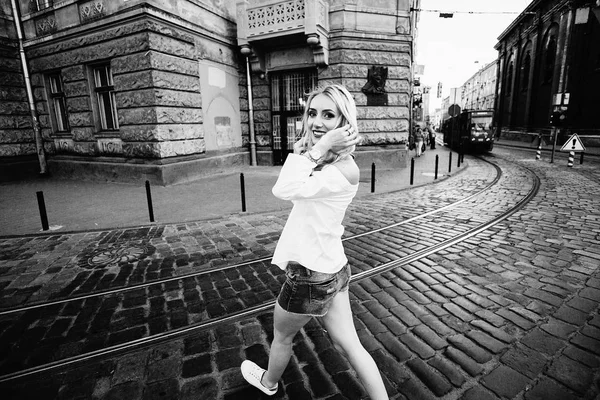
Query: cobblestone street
(509, 310)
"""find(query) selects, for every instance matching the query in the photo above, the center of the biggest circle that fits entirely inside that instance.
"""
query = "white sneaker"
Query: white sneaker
(253, 374)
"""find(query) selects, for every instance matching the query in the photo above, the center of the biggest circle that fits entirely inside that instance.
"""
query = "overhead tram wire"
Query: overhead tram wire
(470, 12)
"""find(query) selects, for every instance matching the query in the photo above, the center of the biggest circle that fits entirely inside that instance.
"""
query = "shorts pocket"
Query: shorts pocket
(322, 291)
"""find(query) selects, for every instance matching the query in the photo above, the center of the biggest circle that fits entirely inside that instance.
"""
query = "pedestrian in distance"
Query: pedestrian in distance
(431, 134)
(321, 179)
(419, 140)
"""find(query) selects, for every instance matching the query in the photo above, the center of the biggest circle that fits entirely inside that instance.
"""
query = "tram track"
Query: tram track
(253, 310)
(37, 305)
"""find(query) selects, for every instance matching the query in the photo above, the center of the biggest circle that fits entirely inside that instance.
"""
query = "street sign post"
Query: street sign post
(573, 144)
(454, 110)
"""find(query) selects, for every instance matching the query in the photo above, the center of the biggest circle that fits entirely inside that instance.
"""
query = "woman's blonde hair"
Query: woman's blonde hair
(347, 108)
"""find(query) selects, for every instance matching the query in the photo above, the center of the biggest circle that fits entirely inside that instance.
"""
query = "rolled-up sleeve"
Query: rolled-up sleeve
(297, 180)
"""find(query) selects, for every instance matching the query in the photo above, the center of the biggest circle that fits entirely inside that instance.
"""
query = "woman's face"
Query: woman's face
(323, 116)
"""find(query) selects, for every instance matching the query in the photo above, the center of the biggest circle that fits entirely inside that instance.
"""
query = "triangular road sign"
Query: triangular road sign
(573, 144)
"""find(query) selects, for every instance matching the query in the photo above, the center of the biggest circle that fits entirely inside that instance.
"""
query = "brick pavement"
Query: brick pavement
(510, 313)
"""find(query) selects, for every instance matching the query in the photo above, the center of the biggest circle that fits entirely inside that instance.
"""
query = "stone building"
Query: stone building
(478, 92)
(152, 90)
(549, 59)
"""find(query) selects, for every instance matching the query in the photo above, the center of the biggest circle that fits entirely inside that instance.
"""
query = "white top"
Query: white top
(312, 235)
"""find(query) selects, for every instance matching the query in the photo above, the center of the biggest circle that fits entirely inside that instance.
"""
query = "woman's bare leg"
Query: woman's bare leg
(340, 326)
(285, 327)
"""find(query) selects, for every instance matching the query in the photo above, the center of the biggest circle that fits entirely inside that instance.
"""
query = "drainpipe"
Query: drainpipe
(39, 143)
(250, 114)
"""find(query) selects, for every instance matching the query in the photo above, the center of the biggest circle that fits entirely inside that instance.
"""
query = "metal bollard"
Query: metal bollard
(437, 161)
(42, 207)
(412, 170)
(450, 163)
(373, 178)
(458, 160)
(243, 191)
(149, 197)
(581, 158)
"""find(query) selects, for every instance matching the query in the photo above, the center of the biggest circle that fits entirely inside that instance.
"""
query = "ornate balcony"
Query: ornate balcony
(264, 23)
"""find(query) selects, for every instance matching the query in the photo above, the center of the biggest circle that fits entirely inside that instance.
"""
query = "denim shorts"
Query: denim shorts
(308, 292)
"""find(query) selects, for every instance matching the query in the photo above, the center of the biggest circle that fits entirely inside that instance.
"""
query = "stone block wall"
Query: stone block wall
(367, 34)
(16, 129)
(350, 61)
(175, 75)
(157, 92)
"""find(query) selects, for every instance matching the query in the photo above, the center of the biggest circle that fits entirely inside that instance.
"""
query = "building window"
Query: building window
(509, 78)
(58, 107)
(549, 59)
(37, 5)
(525, 71)
(105, 97)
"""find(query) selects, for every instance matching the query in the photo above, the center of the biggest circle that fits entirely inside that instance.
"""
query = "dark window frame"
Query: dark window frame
(509, 77)
(525, 71)
(105, 105)
(57, 102)
(549, 58)
(39, 5)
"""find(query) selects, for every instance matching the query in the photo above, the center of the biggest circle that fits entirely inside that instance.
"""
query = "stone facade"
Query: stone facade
(174, 87)
(17, 142)
(548, 51)
(360, 35)
(174, 78)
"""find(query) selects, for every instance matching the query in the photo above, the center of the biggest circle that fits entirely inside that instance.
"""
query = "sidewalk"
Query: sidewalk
(546, 147)
(81, 206)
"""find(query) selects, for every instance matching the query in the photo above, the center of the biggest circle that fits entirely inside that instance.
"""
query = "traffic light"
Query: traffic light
(562, 118)
(439, 91)
(558, 118)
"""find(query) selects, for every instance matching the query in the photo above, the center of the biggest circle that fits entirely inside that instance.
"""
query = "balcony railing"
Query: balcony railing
(264, 19)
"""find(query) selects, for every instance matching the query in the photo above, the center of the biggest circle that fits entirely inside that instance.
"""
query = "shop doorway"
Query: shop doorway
(288, 93)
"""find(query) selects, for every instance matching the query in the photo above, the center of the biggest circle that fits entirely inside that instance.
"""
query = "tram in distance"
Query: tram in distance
(472, 129)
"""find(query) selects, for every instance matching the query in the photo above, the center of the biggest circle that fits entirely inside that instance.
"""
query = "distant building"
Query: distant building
(548, 54)
(478, 92)
(158, 90)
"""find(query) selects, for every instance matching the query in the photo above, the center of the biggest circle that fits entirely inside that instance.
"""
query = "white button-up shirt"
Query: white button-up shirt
(312, 235)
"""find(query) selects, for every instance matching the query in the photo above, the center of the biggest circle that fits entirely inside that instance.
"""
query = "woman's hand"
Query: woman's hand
(299, 146)
(338, 139)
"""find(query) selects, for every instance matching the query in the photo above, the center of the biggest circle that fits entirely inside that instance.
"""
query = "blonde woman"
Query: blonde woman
(321, 179)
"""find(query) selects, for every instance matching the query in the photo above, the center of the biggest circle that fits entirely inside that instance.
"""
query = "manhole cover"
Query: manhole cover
(104, 256)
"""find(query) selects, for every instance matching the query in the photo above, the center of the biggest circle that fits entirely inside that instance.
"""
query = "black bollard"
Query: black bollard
(581, 159)
(149, 197)
(373, 178)
(243, 191)
(437, 161)
(412, 170)
(42, 207)
(458, 159)
(450, 162)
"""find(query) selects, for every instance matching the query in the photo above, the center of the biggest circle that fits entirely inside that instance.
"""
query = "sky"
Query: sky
(453, 49)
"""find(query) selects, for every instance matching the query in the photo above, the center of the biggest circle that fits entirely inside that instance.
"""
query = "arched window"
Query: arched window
(549, 55)
(525, 71)
(509, 77)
